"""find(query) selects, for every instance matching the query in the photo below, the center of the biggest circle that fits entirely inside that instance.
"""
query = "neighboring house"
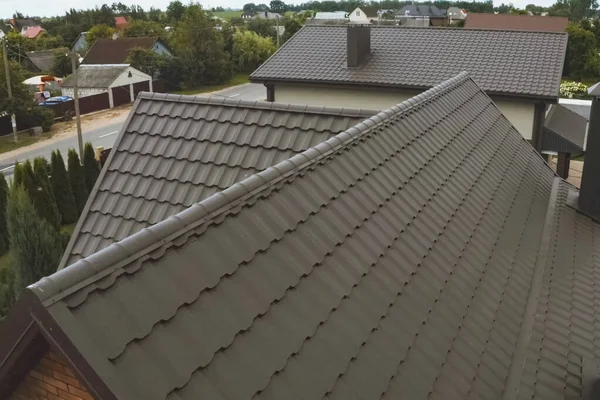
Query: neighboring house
(39, 61)
(95, 78)
(28, 27)
(267, 15)
(427, 252)
(249, 15)
(364, 15)
(173, 154)
(517, 22)
(121, 23)
(33, 32)
(424, 14)
(456, 14)
(80, 45)
(377, 67)
(116, 51)
(331, 16)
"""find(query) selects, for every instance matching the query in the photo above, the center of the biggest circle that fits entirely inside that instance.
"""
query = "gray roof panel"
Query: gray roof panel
(398, 259)
(565, 130)
(95, 76)
(175, 151)
(502, 62)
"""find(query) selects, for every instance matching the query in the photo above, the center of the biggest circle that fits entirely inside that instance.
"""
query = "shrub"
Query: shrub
(62, 189)
(36, 247)
(44, 200)
(91, 168)
(77, 180)
(573, 90)
(42, 116)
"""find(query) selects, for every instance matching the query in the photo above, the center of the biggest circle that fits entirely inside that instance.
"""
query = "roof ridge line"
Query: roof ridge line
(258, 104)
(101, 264)
(447, 28)
(517, 365)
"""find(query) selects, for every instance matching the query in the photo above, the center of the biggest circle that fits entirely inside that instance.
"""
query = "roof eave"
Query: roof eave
(370, 85)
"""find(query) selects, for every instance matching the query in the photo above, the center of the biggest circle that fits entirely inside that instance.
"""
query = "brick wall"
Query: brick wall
(51, 379)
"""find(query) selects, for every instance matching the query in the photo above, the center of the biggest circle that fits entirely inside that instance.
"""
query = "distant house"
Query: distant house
(421, 15)
(80, 44)
(116, 51)
(260, 15)
(517, 22)
(121, 23)
(94, 79)
(364, 15)
(39, 61)
(378, 66)
(249, 15)
(30, 28)
(456, 14)
(332, 15)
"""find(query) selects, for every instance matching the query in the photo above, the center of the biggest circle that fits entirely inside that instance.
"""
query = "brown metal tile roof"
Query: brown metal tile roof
(426, 252)
(175, 151)
(516, 22)
(525, 64)
(109, 51)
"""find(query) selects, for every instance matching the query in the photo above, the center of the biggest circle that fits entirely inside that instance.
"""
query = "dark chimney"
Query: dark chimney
(359, 44)
(589, 193)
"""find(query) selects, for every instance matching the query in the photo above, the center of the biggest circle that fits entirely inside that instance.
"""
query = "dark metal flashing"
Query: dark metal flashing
(539, 115)
(589, 196)
(28, 331)
(270, 92)
(513, 381)
(101, 264)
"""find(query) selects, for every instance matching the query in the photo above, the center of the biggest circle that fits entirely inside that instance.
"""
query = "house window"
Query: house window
(358, 13)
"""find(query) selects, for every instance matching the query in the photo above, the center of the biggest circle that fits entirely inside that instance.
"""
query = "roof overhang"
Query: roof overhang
(26, 335)
(416, 89)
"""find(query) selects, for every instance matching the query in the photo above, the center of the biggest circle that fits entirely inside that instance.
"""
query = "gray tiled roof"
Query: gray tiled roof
(95, 76)
(43, 60)
(178, 150)
(503, 62)
(426, 252)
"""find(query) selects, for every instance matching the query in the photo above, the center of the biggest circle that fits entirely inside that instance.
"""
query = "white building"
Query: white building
(364, 15)
(100, 78)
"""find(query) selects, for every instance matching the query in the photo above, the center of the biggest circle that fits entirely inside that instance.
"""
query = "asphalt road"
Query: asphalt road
(107, 135)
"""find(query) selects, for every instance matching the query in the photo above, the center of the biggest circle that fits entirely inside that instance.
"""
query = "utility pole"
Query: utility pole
(13, 119)
(76, 100)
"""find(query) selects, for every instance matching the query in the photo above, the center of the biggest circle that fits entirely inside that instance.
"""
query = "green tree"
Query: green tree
(77, 180)
(278, 6)
(91, 167)
(146, 60)
(99, 31)
(3, 227)
(139, 28)
(291, 27)
(61, 66)
(43, 198)
(249, 7)
(250, 50)
(175, 11)
(18, 174)
(582, 59)
(262, 27)
(62, 189)
(36, 247)
(22, 101)
(200, 49)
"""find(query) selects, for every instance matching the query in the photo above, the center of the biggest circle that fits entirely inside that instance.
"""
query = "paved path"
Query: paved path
(106, 135)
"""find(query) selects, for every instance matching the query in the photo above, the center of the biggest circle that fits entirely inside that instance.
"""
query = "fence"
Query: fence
(87, 104)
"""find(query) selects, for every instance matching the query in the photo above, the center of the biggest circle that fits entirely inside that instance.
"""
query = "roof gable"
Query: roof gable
(95, 76)
(109, 51)
(370, 12)
(175, 151)
(517, 22)
(404, 255)
(526, 64)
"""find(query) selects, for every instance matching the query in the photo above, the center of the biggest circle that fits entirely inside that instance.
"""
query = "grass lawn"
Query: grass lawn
(227, 15)
(7, 142)
(238, 79)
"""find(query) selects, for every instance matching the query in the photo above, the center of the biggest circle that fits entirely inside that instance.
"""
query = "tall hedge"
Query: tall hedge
(77, 180)
(36, 247)
(44, 200)
(3, 227)
(91, 167)
(62, 189)
(18, 173)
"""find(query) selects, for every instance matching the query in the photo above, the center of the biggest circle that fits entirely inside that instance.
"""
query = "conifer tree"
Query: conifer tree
(91, 166)
(77, 180)
(62, 189)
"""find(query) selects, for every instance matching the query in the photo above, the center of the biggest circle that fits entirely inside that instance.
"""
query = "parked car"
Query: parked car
(56, 100)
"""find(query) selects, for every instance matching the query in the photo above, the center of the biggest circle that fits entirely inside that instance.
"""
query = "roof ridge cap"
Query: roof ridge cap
(259, 105)
(88, 270)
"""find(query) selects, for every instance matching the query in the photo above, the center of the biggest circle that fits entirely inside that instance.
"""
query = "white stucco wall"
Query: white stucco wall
(83, 92)
(358, 16)
(136, 76)
(349, 98)
(520, 114)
